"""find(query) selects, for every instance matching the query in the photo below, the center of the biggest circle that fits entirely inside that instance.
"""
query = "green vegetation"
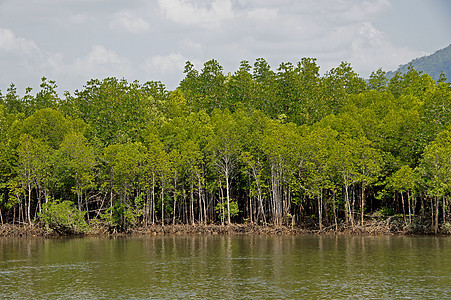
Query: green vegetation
(260, 145)
(63, 217)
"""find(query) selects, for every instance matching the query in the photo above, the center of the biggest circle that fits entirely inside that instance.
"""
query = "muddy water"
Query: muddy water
(226, 267)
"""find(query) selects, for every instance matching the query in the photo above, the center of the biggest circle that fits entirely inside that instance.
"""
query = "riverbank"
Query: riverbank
(388, 226)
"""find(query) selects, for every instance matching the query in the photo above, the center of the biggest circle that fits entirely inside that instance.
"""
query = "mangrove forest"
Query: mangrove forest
(287, 146)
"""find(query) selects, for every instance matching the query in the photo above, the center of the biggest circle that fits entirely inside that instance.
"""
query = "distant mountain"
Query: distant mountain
(433, 64)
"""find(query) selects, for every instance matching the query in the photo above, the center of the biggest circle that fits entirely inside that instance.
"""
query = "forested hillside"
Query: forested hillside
(433, 65)
(260, 145)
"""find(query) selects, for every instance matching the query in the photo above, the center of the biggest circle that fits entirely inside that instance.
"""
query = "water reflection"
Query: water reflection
(237, 267)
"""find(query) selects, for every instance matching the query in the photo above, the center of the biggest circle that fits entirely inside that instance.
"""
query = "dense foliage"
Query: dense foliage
(259, 145)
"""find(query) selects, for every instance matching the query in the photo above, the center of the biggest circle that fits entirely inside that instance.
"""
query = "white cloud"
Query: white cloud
(79, 19)
(55, 39)
(129, 22)
(165, 68)
(11, 43)
(99, 62)
(192, 44)
(262, 14)
(165, 63)
(192, 12)
(371, 49)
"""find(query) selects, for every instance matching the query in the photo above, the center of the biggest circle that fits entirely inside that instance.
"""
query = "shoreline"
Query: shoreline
(372, 228)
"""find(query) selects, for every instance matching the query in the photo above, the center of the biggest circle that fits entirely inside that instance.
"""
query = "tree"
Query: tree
(339, 82)
(12, 102)
(378, 81)
(240, 87)
(47, 96)
(48, 125)
(192, 162)
(117, 111)
(80, 161)
(404, 181)
(436, 168)
(345, 158)
(280, 148)
(205, 90)
(189, 135)
(312, 106)
(253, 129)
(369, 165)
(224, 149)
(7, 159)
(435, 113)
(190, 86)
(315, 164)
(33, 156)
(126, 163)
(265, 91)
(155, 158)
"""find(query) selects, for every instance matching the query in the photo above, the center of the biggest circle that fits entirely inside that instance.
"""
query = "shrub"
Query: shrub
(234, 210)
(445, 228)
(121, 217)
(63, 217)
(384, 212)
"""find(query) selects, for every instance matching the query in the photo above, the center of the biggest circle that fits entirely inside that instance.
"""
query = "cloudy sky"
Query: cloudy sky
(73, 41)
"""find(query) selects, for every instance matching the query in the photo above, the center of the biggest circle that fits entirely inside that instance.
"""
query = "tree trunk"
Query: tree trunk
(403, 207)
(409, 206)
(444, 205)
(111, 202)
(175, 200)
(29, 205)
(204, 200)
(152, 210)
(199, 195)
(276, 195)
(228, 197)
(335, 213)
(260, 197)
(221, 201)
(348, 206)
(162, 205)
(185, 207)
(191, 205)
(320, 210)
(362, 208)
(432, 212)
(436, 215)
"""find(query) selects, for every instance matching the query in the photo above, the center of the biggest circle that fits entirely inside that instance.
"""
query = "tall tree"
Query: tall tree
(404, 181)
(436, 169)
(280, 148)
(47, 97)
(117, 111)
(316, 166)
(80, 161)
(48, 125)
(32, 164)
(224, 149)
(378, 81)
(126, 163)
(240, 87)
(265, 87)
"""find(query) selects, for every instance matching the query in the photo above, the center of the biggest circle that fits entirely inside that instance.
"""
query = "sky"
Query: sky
(74, 41)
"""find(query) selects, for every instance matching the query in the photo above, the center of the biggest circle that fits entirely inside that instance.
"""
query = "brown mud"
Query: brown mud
(21, 230)
(389, 226)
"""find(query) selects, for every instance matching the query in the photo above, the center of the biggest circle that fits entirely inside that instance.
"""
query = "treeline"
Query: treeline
(260, 145)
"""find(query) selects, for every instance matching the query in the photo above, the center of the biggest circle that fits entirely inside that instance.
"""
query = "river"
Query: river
(226, 267)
